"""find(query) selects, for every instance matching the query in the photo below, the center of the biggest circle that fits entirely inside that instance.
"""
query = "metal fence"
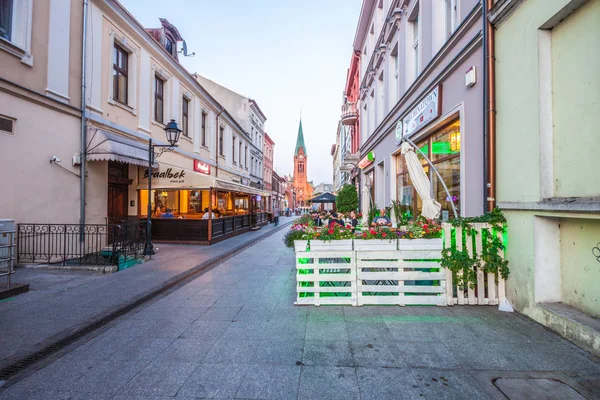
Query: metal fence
(7, 255)
(75, 244)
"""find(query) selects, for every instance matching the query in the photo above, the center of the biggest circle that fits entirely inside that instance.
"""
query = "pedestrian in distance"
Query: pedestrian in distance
(276, 215)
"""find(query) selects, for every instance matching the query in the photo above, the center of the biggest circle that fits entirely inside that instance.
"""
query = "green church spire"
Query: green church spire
(300, 140)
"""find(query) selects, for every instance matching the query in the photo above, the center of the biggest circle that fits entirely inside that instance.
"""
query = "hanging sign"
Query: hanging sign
(367, 160)
(399, 132)
(201, 167)
(426, 111)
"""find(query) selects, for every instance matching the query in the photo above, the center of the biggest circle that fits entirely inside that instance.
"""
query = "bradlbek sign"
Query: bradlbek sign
(426, 111)
(201, 167)
(170, 174)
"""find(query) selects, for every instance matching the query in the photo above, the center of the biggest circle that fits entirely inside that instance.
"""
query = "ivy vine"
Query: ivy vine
(492, 246)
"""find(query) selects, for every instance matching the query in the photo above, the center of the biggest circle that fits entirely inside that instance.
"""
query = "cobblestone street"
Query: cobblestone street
(234, 333)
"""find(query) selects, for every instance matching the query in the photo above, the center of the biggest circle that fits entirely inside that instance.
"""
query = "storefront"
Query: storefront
(195, 207)
(448, 131)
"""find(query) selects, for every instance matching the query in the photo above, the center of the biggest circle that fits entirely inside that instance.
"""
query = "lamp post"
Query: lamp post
(172, 131)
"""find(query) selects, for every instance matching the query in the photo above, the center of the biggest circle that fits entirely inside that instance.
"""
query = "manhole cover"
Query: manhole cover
(539, 389)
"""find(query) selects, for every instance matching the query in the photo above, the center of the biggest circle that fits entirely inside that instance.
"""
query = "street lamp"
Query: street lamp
(172, 132)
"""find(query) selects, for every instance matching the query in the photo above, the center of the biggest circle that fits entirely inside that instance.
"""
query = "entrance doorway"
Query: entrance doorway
(118, 192)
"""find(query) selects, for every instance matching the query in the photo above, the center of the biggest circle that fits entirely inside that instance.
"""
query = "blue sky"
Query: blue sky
(287, 55)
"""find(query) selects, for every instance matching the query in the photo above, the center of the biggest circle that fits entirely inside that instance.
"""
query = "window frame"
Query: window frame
(203, 118)
(233, 149)
(221, 140)
(161, 97)
(123, 53)
(8, 36)
(185, 116)
(246, 158)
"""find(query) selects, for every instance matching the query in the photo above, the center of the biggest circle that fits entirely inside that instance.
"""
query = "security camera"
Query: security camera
(54, 160)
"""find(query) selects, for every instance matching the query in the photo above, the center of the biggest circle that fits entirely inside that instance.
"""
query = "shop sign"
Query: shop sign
(399, 132)
(201, 167)
(171, 175)
(367, 160)
(426, 111)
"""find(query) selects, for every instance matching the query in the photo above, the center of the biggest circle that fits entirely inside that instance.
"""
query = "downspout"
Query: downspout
(491, 111)
(83, 124)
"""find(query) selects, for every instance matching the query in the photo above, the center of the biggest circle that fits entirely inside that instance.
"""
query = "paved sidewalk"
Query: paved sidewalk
(234, 332)
(62, 302)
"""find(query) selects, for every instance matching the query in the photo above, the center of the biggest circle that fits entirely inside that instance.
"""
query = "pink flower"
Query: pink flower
(383, 235)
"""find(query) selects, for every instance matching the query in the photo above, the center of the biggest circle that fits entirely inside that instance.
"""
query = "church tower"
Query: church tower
(304, 190)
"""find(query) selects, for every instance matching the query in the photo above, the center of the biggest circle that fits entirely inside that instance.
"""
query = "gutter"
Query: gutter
(489, 109)
(83, 124)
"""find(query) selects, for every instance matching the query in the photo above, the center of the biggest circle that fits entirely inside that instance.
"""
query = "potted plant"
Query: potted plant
(331, 238)
(421, 234)
(375, 239)
(297, 237)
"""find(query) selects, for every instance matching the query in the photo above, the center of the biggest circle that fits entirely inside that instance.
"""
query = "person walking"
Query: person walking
(276, 215)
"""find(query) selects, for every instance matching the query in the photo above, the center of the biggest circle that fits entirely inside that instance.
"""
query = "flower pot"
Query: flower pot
(300, 245)
(375, 244)
(334, 245)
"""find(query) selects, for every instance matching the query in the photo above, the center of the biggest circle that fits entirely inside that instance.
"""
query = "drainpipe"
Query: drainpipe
(217, 142)
(491, 58)
(489, 111)
(83, 125)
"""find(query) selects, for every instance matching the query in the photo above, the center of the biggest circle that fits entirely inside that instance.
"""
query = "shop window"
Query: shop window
(186, 204)
(443, 149)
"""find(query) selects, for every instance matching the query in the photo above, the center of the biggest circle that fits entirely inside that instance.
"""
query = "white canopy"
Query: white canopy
(431, 208)
(107, 146)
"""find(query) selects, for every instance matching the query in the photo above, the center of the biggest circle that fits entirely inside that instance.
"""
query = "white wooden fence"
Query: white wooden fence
(411, 274)
(490, 288)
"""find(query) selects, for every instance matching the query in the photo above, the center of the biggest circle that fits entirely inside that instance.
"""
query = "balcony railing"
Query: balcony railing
(349, 114)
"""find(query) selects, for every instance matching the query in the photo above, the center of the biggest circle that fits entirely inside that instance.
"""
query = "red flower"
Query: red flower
(383, 235)
(330, 231)
(372, 231)
(364, 234)
(425, 226)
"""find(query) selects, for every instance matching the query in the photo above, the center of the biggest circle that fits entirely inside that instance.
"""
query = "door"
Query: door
(117, 202)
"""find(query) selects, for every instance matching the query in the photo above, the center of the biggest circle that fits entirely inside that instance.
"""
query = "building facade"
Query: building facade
(418, 71)
(339, 151)
(250, 117)
(547, 160)
(302, 187)
(40, 116)
(134, 85)
(268, 147)
(279, 187)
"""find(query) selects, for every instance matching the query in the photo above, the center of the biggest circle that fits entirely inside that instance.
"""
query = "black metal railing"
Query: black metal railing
(75, 244)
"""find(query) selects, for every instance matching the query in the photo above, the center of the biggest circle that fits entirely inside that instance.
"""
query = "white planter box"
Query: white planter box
(334, 245)
(420, 244)
(300, 245)
(375, 244)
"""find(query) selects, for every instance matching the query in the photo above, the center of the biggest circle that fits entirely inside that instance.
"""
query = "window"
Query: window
(203, 129)
(451, 16)
(120, 69)
(159, 88)
(240, 153)
(246, 158)
(443, 149)
(221, 133)
(233, 149)
(415, 45)
(252, 165)
(6, 16)
(185, 104)
(394, 95)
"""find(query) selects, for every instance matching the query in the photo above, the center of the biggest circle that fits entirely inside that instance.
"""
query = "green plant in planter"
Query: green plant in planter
(335, 232)
(292, 235)
(373, 212)
(379, 233)
(402, 213)
(304, 219)
(347, 199)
